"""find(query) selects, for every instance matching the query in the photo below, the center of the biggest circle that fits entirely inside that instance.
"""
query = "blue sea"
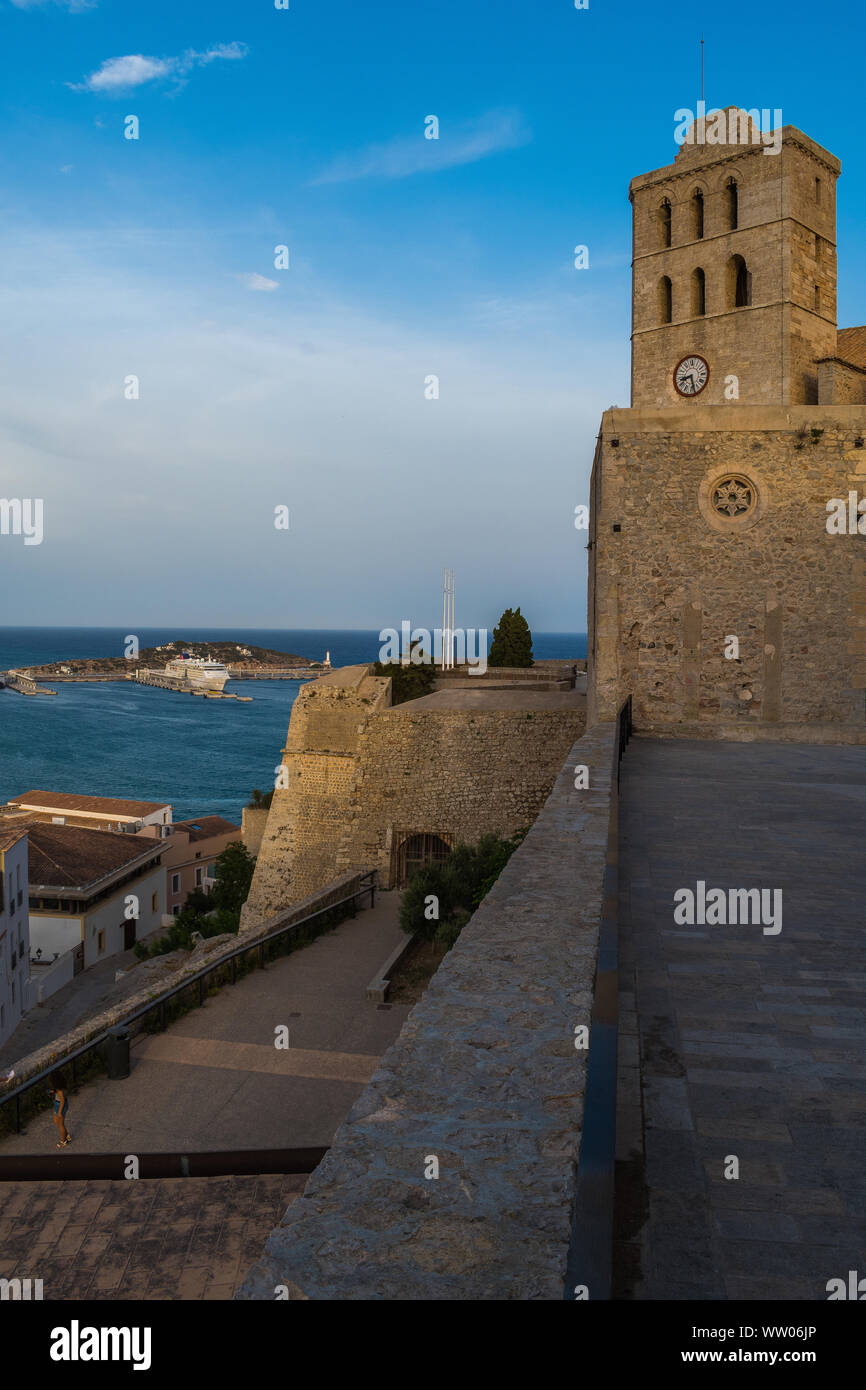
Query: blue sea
(146, 744)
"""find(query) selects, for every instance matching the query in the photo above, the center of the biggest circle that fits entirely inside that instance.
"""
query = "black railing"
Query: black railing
(83, 1061)
(77, 1167)
(590, 1255)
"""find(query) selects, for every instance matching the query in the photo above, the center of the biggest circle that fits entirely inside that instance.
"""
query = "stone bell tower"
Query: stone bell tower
(719, 599)
(734, 268)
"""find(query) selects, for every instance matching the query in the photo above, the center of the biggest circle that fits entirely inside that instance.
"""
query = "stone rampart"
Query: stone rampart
(486, 1079)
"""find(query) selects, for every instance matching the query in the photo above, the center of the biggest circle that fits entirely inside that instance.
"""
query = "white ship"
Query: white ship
(198, 671)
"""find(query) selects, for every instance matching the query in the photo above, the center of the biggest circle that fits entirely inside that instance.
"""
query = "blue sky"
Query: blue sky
(304, 387)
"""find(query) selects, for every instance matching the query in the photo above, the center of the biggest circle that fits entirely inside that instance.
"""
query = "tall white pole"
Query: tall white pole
(444, 618)
(451, 626)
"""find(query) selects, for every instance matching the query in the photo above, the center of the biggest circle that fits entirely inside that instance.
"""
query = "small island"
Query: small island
(243, 662)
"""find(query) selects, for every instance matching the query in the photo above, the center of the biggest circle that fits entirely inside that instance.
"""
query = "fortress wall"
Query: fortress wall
(253, 822)
(454, 773)
(308, 813)
(485, 1077)
(361, 776)
(676, 580)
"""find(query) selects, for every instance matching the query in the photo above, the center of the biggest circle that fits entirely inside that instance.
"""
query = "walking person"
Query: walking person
(57, 1087)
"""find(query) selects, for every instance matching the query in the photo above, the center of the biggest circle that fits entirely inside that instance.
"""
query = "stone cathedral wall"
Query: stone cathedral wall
(675, 580)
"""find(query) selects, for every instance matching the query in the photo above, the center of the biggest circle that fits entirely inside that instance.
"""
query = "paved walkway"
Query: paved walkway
(212, 1081)
(215, 1080)
(736, 1043)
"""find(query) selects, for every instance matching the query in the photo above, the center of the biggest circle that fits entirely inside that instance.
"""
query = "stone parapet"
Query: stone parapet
(485, 1079)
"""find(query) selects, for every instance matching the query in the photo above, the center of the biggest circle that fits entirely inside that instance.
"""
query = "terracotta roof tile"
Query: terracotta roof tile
(70, 856)
(205, 827)
(69, 801)
(851, 345)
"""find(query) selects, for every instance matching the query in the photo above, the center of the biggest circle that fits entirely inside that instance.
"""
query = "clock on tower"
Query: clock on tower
(691, 375)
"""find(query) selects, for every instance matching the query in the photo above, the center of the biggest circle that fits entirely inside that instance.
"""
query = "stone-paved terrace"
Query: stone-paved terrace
(733, 1042)
(171, 1238)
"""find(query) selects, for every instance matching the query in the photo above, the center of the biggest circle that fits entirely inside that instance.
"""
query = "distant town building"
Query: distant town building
(94, 892)
(14, 928)
(189, 853)
(88, 812)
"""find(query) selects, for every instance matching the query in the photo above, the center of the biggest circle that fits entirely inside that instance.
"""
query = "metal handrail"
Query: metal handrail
(590, 1255)
(367, 885)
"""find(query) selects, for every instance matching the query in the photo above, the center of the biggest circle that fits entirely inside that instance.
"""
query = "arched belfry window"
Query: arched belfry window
(699, 293)
(665, 223)
(739, 284)
(665, 300)
(732, 203)
(697, 214)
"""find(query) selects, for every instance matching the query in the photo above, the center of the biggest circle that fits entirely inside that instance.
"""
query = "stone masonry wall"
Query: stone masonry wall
(484, 1077)
(786, 233)
(841, 384)
(308, 813)
(361, 775)
(453, 773)
(253, 822)
(675, 579)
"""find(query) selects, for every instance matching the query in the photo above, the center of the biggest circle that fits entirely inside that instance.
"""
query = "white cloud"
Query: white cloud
(254, 281)
(464, 144)
(135, 69)
(320, 405)
(73, 6)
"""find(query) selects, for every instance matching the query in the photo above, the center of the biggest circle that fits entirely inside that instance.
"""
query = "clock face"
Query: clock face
(691, 375)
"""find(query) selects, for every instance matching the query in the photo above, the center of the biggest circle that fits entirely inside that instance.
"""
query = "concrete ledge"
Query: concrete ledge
(485, 1079)
(377, 989)
(752, 731)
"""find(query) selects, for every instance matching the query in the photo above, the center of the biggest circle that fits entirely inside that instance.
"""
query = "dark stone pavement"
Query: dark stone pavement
(736, 1043)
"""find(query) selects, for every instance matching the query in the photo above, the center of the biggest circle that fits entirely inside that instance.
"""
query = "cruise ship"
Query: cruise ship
(198, 671)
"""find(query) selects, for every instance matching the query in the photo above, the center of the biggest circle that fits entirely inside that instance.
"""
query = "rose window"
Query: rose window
(733, 497)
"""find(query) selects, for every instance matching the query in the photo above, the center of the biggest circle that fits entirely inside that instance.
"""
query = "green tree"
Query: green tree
(512, 641)
(209, 914)
(234, 874)
(260, 801)
(407, 682)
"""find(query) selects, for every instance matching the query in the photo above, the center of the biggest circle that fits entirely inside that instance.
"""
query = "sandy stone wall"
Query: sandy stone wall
(485, 1077)
(675, 579)
(786, 233)
(253, 822)
(309, 812)
(454, 773)
(363, 776)
(839, 383)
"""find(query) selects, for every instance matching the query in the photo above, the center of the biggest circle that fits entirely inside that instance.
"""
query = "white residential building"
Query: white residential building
(94, 892)
(14, 928)
(89, 812)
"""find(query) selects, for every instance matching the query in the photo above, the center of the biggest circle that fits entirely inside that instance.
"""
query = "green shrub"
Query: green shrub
(459, 884)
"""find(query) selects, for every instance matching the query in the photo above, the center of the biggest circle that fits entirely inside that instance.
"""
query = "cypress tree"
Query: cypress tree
(512, 641)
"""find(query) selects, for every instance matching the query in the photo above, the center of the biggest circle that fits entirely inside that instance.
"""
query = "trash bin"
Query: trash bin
(117, 1052)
